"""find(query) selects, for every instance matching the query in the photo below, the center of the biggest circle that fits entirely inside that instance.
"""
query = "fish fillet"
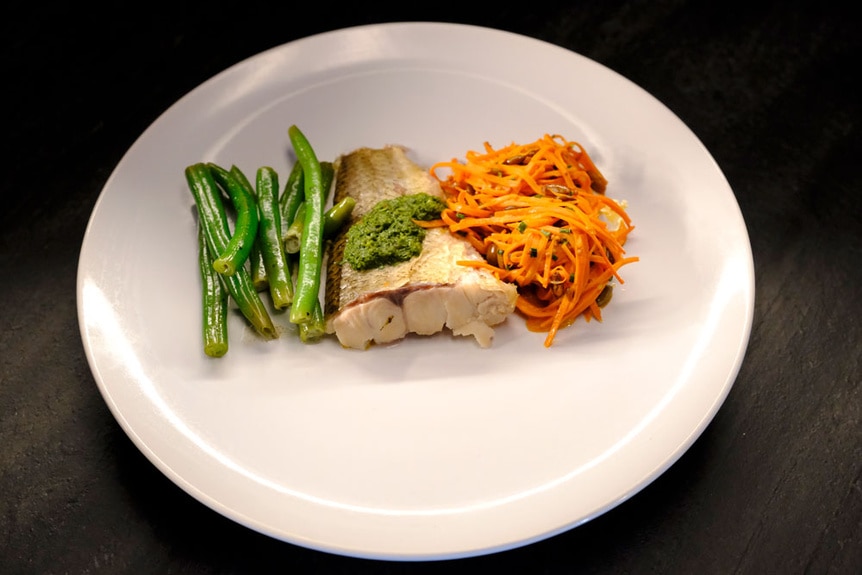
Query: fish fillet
(424, 295)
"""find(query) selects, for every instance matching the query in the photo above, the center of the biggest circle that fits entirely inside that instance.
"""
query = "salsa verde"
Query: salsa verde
(387, 235)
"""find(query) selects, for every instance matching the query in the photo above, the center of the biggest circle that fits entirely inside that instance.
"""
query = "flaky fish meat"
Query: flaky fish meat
(425, 295)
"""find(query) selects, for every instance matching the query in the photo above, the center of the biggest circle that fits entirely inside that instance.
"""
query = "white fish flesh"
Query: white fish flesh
(425, 295)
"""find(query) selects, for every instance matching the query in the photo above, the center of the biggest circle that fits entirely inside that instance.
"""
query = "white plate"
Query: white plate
(432, 448)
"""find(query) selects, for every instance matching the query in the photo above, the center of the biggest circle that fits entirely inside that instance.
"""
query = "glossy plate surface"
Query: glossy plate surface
(431, 448)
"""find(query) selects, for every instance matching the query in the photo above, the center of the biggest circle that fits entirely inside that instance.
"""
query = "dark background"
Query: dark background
(773, 484)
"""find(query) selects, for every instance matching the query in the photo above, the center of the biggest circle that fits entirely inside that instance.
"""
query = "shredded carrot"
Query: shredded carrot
(539, 215)
(429, 223)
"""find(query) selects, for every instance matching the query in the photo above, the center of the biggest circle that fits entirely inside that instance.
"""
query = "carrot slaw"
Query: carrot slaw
(539, 215)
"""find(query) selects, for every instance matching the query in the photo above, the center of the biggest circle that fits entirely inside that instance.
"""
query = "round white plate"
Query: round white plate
(431, 448)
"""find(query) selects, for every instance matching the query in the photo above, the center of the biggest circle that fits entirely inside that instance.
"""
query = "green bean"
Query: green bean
(214, 301)
(307, 290)
(337, 216)
(333, 219)
(236, 252)
(212, 216)
(293, 217)
(269, 238)
(292, 197)
(327, 175)
(255, 256)
(293, 236)
(243, 292)
(292, 207)
(294, 194)
(314, 329)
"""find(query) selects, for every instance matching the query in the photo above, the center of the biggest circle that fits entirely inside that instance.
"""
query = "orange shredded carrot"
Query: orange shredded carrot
(430, 223)
(539, 215)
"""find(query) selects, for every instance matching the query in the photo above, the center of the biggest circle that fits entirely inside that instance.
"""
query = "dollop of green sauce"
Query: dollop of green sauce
(387, 235)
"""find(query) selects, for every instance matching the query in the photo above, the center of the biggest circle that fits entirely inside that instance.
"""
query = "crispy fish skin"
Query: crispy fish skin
(424, 295)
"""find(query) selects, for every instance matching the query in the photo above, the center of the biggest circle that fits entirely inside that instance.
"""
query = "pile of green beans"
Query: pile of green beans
(213, 219)
(239, 262)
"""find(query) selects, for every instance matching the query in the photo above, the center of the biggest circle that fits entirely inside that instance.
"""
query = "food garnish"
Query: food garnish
(539, 215)
(389, 233)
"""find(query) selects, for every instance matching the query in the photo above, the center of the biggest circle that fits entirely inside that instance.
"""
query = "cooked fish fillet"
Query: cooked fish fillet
(424, 295)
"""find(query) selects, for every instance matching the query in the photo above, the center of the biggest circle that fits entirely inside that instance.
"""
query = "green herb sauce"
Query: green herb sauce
(387, 235)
